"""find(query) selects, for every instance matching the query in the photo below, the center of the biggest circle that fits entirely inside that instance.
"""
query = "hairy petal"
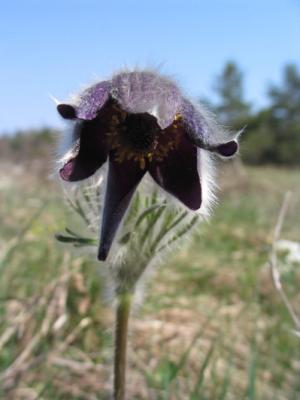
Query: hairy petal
(88, 104)
(178, 174)
(92, 100)
(122, 180)
(92, 152)
(204, 132)
(145, 91)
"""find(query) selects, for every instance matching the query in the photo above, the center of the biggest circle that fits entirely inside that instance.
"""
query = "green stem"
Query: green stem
(122, 317)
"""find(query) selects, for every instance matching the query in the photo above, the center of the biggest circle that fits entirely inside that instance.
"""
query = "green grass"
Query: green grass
(218, 286)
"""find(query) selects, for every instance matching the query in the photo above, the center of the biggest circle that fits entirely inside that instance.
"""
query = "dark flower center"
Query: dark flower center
(140, 131)
(138, 137)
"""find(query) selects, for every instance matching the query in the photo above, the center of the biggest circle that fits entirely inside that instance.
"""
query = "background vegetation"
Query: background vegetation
(212, 325)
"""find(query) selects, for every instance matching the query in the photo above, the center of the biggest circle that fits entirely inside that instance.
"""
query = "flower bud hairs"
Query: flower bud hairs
(142, 126)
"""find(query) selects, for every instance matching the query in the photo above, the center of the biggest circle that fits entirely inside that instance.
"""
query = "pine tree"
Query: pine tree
(232, 109)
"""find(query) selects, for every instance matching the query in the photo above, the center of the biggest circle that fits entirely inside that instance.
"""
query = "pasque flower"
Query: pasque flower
(140, 123)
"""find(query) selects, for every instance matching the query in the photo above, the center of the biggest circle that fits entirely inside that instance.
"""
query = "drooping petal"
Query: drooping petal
(67, 111)
(122, 180)
(92, 151)
(196, 125)
(202, 130)
(178, 174)
(228, 149)
(92, 100)
(147, 92)
(88, 104)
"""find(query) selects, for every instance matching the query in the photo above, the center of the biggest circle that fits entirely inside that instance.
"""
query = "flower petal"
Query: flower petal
(147, 92)
(122, 180)
(92, 100)
(203, 131)
(89, 103)
(178, 174)
(67, 111)
(228, 149)
(92, 152)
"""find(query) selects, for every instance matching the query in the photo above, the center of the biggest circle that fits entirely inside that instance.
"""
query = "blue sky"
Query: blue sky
(55, 47)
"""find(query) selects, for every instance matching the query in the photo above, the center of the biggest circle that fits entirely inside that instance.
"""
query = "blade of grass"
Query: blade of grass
(14, 243)
(252, 373)
(227, 378)
(196, 394)
(170, 370)
(183, 359)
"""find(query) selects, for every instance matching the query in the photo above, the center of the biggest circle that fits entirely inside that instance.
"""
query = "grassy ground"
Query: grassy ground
(211, 325)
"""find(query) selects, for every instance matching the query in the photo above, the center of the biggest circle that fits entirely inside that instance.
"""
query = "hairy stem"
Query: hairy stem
(121, 329)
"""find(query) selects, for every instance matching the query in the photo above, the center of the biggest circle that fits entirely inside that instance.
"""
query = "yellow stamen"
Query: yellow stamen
(142, 163)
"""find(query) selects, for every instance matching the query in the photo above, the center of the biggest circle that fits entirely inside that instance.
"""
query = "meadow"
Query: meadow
(211, 326)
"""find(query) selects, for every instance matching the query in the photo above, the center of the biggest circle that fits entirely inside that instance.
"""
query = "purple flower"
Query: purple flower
(141, 123)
